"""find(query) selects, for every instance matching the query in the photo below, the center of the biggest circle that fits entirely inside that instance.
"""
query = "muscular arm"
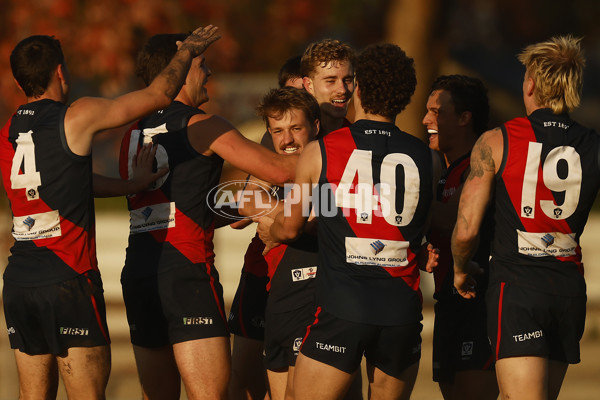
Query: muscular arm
(212, 134)
(88, 116)
(289, 224)
(474, 200)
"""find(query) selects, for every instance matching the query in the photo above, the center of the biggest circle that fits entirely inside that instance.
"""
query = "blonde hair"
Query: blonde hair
(556, 67)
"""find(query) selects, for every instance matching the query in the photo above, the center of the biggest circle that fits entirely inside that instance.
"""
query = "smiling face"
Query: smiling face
(332, 85)
(441, 120)
(292, 131)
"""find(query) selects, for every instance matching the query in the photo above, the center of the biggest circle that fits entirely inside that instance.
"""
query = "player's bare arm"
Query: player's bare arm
(211, 134)
(289, 224)
(253, 199)
(87, 116)
(475, 197)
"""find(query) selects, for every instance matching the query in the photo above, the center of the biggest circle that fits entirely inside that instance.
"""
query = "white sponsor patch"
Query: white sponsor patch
(302, 274)
(37, 226)
(384, 253)
(553, 244)
(151, 218)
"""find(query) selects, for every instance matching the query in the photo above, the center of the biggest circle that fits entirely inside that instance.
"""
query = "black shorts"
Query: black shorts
(53, 318)
(247, 314)
(284, 332)
(341, 344)
(460, 340)
(522, 322)
(181, 304)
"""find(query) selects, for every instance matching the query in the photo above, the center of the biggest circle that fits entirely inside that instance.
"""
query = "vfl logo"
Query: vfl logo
(548, 239)
(302, 274)
(297, 274)
(364, 216)
(467, 349)
(30, 222)
(147, 212)
(377, 246)
(398, 219)
(527, 210)
(225, 198)
(32, 193)
(297, 344)
(557, 212)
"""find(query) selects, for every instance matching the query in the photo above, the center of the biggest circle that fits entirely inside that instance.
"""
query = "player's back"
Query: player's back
(375, 194)
(171, 223)
(50, 192)
(546, 186)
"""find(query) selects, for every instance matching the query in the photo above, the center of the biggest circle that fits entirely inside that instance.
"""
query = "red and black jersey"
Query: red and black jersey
(448, 188)
(545, 188)
(51, 198)
(171, 224)
(372, 203)
(292, 272)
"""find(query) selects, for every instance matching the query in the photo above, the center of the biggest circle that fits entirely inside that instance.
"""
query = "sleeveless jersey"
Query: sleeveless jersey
(545, 188)
(171, 224)
(50, 193)
(372, 202)
(448, 187)
(292, 272)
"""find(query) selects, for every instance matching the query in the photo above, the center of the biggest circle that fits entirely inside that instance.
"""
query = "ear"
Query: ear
(308, 85)
(465, 118)
(317, 127)
(529, 86)
(61, 73)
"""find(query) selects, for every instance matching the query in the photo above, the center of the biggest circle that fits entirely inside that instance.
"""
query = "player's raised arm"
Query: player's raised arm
(82, 121)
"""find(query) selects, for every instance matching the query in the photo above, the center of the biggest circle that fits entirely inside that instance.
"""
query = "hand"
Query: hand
(143, 176)
(464, 282)
(199, 40)
(264, 232)
(428, 258)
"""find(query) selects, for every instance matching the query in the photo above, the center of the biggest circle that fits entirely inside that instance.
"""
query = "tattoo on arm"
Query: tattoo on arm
(481, 160)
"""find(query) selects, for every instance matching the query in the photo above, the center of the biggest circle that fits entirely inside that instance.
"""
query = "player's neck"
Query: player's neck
(362, 114)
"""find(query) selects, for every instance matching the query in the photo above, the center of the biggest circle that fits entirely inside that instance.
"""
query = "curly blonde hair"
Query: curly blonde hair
(322, 53)
(556, 67)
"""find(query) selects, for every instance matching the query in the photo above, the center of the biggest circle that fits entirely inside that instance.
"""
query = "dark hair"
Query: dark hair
(289, 70)
(386, 79)
(467, 94)
(279, 101)
(323, 52)
(156, 55)
(33, 60)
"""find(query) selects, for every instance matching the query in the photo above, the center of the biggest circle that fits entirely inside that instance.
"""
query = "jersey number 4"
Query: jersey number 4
(29, 179)
(363, 198)
(569, 184)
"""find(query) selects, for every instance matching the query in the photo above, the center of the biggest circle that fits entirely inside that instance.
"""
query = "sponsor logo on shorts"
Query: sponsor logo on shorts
(74, 331)
(11, 330)
(297, 344)
(302, 274)
(197, 321)
(257, 322)
(467, 350)
(528, 336)
(330, 347)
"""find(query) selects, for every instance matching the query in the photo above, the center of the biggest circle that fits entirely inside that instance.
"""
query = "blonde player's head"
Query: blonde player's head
(556, 67)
